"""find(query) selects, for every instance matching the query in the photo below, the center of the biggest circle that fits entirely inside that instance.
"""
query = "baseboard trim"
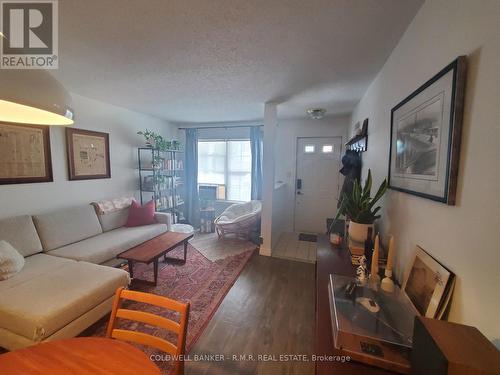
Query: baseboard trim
(265, 251)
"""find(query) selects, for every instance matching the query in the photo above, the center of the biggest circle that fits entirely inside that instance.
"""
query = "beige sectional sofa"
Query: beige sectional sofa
(65, 284)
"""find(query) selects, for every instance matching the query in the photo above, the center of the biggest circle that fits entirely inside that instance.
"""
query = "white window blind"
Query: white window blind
(226, 163)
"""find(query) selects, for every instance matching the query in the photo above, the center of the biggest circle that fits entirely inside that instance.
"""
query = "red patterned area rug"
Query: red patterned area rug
(199, 281)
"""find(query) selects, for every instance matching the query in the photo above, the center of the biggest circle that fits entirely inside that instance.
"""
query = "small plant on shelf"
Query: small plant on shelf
(150, 137)
(158, 162)
(163, 144)
(157, 142)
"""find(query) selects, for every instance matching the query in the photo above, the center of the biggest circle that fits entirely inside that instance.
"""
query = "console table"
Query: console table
(331, 259)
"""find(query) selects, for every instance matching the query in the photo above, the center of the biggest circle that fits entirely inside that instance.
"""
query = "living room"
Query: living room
(202, 161)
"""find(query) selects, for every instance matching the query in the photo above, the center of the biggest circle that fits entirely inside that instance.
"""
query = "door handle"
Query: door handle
(299, 193)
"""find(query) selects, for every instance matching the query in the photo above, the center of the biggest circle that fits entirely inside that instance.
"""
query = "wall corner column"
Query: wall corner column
(270, 124)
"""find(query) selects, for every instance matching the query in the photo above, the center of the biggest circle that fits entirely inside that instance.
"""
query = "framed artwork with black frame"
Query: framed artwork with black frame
(88, 154)
(426, 132)
(24, 154)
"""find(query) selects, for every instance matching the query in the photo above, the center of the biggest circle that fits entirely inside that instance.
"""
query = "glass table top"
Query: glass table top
(363, 309)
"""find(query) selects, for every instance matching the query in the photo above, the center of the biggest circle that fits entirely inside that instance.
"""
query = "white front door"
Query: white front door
(317, 182)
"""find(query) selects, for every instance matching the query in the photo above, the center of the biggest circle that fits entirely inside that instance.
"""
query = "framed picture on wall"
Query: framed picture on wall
(426, 129)
(24, 154)
(88, 154)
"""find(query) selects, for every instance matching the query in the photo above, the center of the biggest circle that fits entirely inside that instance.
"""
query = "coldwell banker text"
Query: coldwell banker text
(29, 34)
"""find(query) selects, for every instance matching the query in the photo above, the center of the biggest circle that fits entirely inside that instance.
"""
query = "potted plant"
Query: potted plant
(150, 137)
(359, 208)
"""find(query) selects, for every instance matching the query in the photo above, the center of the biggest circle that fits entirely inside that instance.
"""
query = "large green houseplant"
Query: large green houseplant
(359, 207)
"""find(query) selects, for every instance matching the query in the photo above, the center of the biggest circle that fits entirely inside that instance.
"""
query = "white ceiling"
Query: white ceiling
(220, 60)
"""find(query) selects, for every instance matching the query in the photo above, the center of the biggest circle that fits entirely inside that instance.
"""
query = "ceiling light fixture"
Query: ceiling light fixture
(33, 97)
(316, 113)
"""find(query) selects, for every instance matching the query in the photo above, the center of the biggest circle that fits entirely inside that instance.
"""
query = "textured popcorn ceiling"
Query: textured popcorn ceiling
(220, 60)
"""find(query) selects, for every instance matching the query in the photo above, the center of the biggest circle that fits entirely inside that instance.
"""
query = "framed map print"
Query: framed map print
(88, 154)
(24, 154)
(425, 136)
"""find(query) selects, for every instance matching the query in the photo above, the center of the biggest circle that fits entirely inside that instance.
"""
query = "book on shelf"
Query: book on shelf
(356, 248)
(355, 259)
(173, 164)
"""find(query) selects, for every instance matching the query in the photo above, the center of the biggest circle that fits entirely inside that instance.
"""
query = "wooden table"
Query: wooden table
(150, 251)
(80, 355)
(330, 259)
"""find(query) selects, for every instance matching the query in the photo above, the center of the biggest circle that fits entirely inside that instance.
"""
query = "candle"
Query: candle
(390, 255)
(374, 270)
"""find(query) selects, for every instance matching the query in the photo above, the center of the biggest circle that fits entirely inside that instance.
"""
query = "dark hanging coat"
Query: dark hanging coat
(351, 169)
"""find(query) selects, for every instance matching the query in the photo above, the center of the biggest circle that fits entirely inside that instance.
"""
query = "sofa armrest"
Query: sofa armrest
(164, 218)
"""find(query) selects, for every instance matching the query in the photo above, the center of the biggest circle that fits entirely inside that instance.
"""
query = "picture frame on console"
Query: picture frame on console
(25, 155)
(428, 284)
(88, 154)
(425, 139)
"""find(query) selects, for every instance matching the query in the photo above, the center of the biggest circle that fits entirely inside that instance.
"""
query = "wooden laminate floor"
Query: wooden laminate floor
(268, 312)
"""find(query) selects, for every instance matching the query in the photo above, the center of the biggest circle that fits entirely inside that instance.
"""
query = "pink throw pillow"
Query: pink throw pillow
(141, 215)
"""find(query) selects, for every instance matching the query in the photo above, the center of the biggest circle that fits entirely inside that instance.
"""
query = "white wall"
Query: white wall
(268, 167)
(285, 153)
(122, 126)
(279, 212)
(465, 237)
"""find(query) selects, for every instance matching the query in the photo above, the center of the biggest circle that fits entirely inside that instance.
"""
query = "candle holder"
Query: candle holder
(374, 266)
(387, 284)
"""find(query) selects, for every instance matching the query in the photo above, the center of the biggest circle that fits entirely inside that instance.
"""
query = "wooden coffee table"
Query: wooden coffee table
(150, 251)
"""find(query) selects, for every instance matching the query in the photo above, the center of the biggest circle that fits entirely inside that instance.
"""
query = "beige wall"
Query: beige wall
(122, 125)
(466, 237)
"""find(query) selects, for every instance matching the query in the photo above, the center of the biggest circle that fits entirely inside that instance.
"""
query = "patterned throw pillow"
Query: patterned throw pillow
(107, 206)
(11, 262)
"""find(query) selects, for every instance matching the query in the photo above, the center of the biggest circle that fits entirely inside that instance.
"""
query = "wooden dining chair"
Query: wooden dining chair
(153, 320)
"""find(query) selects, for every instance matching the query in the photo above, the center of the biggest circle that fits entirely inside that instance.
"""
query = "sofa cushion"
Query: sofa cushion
(108, 245)
(113, 213)
(34, 266)
(141, 215)
(67, 226)
(110, 205)
(11, 262)
(21, 233)
(37, 306)
(113, 220)
(164, 218)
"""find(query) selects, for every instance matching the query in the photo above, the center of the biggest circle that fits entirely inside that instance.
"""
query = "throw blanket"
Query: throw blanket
(111, 205)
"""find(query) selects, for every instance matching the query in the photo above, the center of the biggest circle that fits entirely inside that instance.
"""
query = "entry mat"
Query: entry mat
(308, 237)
